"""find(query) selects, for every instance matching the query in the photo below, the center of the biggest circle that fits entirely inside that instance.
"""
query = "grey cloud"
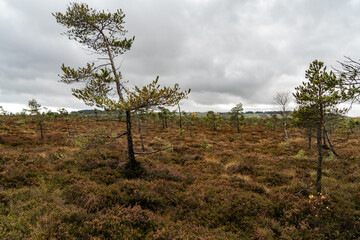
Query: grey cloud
(225, 51)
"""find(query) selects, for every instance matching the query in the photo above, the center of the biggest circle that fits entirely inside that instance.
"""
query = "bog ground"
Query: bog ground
(208, 185)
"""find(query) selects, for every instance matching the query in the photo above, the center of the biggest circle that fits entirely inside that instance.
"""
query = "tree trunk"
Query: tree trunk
(286, 133)
(180, 118)
(132, 161)
(329, 141)
(319, 145)
(237, 123)
(309, 137)
(41, 130)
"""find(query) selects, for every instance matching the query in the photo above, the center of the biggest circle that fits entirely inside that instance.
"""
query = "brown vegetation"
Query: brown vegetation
(209, 185)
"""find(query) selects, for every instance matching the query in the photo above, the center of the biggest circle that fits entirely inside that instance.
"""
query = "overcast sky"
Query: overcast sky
(226, 51)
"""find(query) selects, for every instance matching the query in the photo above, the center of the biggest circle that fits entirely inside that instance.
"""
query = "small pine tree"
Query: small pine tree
(103, 34)
(320, 95)
(237, 115)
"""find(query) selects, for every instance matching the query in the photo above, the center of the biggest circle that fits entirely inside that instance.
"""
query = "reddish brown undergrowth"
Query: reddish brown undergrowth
(209, 185)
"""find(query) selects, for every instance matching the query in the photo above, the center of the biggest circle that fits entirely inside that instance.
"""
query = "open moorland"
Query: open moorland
(206, 185)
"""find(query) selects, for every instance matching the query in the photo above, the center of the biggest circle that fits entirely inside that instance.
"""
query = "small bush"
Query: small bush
(121, 223)
(205, 144)
(300, 154)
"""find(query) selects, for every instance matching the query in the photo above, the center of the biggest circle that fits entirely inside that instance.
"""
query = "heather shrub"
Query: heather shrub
(239, 167)
(105, 175)
(185, 230)
(248, 188)
(317, 216)
(274, 179)
(80, 193)
(166, 173)
(18, 176)
(121, 223)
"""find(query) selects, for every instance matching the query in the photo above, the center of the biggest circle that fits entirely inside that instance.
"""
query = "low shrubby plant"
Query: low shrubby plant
(301, 154)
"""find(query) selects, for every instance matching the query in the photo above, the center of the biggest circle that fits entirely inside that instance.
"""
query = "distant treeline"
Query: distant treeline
(92, 111)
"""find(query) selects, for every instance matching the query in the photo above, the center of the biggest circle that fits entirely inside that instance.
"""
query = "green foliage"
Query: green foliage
(237, 116)
(182, 132)
(95, 139)
(270, 125)
(103, 33)
(301, 154)
(214, 120)
(166, 144)
(34, 106)
(320, 92)
(63, 112)
(319, 96)
(330, 157)
(205, 144)
(284, 145)
(164, 115)
(85, 24)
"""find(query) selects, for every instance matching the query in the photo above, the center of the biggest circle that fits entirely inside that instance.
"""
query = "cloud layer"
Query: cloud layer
(225, 51)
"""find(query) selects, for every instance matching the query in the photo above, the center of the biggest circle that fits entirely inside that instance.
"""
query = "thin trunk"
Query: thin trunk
(319, 169)
(41, 131)
(286, 133)
(117, 80)
(180, 117)
(141, 135)
(237, 123)
(330, 143)
(309, 136)
(132, 160)
(68, 127)
(319, 145)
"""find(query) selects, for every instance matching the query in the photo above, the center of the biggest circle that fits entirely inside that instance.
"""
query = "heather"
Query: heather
(209, 184)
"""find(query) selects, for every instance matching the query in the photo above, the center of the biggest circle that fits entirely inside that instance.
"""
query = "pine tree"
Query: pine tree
(320, 95)
(103, 33)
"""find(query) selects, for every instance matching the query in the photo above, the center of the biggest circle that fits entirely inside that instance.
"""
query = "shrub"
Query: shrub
(121, 223)
(242, 168)
(205, 144)
(300, 154)
(274, 179)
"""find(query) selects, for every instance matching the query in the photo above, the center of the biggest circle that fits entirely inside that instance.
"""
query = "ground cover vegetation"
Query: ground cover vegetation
(209, 185)
(216, 176)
